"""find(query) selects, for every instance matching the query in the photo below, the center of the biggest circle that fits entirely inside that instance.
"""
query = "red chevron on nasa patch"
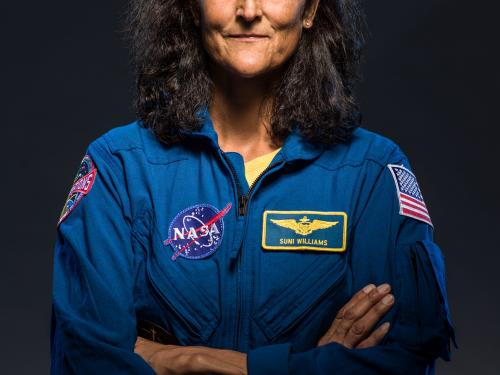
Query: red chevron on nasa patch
(411, 200)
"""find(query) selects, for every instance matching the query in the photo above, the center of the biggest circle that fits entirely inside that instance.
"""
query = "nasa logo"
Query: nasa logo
(197, 231)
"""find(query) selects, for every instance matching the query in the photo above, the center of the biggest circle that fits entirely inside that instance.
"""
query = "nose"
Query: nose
(249, 9)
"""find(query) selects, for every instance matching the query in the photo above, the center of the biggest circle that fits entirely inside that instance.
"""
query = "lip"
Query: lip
(247, 36)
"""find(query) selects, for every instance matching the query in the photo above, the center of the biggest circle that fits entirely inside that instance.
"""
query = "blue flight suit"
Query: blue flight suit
(174, 235)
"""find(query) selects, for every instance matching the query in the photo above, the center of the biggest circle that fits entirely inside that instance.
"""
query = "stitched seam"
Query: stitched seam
(352, 163)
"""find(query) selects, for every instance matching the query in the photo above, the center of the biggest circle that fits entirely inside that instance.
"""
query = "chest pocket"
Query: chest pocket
(187, 289)
(304, 307)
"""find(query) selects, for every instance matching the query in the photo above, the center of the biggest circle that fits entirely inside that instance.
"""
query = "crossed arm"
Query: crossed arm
(352, 328)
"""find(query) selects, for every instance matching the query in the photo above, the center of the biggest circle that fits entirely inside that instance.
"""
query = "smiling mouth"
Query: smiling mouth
(247, 38)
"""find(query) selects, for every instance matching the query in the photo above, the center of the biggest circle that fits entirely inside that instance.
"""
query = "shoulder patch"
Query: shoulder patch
(411, 201)
(82, 184)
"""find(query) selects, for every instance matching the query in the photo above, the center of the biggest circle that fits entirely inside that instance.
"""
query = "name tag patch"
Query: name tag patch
(304, 230)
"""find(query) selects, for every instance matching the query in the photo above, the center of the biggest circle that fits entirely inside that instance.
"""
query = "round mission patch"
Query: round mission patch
(81, 186)
(197, 231)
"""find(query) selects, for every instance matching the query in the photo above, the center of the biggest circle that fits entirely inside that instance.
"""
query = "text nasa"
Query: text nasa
(204, 230)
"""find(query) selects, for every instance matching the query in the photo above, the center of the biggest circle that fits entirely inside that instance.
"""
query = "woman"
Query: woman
(246, 223)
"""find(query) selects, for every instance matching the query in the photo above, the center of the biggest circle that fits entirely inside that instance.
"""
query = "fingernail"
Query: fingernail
(384, 288)
(367, 289)
(385, 327)
(388, 299)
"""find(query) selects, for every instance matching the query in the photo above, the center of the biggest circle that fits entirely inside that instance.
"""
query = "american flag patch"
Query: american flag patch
(411, 201)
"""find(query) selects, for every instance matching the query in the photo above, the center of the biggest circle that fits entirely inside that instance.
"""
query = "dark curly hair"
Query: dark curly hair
(315, 90)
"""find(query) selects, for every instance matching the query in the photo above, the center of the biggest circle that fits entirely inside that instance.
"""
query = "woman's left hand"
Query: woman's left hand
(179, 360)
(352, 327)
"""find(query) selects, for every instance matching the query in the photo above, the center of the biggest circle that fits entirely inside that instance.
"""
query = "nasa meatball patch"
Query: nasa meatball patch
(411, 200)
(81, 186)
(197, 231)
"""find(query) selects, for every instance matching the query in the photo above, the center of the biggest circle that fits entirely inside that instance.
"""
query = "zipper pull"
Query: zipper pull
(242, 205)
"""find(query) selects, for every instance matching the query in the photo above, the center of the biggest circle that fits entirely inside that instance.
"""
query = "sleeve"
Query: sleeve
(391, 245)
(93, 328)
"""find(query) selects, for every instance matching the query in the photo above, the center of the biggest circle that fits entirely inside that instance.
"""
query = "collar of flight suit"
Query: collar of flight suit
(295, 146)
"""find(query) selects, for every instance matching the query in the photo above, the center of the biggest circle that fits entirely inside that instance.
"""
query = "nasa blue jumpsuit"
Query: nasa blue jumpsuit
(174, 235)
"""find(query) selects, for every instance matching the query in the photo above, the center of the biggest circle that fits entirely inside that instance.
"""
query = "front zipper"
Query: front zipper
(243, 200)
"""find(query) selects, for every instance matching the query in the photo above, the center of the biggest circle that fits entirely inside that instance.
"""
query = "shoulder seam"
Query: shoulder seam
(353, 163)
(106, 153)
(113, 148)
(103, 148)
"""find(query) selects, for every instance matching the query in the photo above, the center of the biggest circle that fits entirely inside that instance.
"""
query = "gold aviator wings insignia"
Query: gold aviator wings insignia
(304, 226)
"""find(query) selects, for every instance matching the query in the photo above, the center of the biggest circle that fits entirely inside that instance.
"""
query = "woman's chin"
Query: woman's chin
(249, 71)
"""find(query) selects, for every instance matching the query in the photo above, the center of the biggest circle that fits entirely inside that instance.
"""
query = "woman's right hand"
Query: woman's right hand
(184, 360)
(352, 327)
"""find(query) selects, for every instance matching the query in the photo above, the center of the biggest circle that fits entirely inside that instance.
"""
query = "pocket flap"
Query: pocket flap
(436, 259)
(191, 308)
(280, 313)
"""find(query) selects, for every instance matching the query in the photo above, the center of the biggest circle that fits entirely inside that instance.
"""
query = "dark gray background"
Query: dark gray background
(431, 84)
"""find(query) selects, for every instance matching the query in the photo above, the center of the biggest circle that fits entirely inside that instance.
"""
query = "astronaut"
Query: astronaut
(143, 238)
(246, 223)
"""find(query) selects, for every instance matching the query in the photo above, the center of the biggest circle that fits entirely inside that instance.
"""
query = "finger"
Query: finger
(375, 337)
(326, 338)
(359, 310)
(140, 340)
(358, 297)
(363, 326)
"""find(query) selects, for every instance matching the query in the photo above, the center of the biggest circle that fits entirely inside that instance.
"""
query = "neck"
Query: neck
(240, 112)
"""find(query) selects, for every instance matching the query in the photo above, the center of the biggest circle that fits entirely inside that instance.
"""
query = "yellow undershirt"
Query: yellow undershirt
(255, 167)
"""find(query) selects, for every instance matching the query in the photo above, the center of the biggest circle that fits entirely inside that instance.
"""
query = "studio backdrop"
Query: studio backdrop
(431, 83)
